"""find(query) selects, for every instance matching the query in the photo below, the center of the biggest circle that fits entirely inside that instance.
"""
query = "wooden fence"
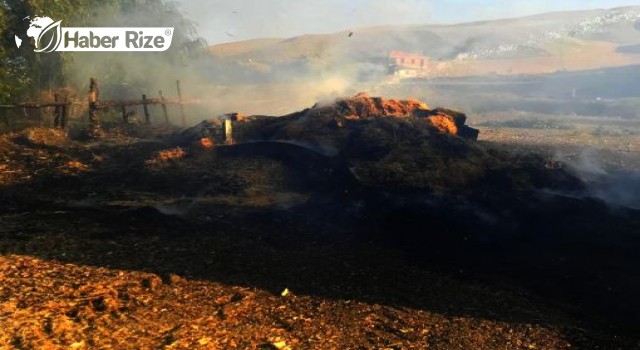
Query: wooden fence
(62, 106)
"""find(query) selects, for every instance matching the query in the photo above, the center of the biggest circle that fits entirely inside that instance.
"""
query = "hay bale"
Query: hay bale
(364, 106)
(458, 117)
(443, 124)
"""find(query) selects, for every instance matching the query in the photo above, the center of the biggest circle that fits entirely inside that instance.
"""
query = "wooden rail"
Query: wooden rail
(62, 106)
(148, 101)
(107, 104)
(36, 105)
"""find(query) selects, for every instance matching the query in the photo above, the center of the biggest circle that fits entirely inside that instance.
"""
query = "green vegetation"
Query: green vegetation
(25, 75)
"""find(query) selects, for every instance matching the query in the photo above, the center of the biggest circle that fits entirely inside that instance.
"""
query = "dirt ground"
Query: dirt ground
(128, 243)
(611, 144)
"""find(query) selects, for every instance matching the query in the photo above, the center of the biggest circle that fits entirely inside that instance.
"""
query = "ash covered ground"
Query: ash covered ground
(356, 224)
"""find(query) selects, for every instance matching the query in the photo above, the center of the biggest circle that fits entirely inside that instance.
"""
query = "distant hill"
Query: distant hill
(537, 44)
(242, 47)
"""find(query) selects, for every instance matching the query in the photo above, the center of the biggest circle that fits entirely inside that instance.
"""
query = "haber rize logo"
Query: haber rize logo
(49, 36)
(39, 26)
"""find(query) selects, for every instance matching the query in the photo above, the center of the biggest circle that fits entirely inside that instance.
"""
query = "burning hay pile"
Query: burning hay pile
(330, 124)
(388, 143)
(397, 143)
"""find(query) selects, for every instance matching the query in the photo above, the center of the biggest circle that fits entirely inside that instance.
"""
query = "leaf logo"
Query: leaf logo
(55, 37)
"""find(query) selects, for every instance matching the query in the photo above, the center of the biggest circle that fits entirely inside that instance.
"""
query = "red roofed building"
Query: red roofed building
(408, 65)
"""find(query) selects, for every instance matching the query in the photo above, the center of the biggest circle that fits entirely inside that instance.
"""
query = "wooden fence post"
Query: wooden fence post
(164, 108)
(184, 120)
(125, 117)
(147, 118)
(94, 95)
(65, 113)
(57, 114)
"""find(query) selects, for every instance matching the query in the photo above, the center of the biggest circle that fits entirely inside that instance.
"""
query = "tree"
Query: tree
(28, 73)
(14, 78)
(25, 74)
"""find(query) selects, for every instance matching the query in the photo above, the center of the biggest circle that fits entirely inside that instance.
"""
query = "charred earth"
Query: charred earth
(387, 222)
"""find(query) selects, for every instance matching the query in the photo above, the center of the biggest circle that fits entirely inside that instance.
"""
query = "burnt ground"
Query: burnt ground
(130, 243)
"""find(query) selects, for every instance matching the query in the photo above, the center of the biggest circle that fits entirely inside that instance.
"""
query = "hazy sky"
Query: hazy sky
(232, 20)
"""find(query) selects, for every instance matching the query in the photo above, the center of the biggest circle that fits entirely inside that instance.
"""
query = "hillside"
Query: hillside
(529, 45)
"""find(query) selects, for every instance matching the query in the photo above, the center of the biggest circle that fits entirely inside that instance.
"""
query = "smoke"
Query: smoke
(618, 188)
(278, 80)
(279, 76)
(588, 165)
